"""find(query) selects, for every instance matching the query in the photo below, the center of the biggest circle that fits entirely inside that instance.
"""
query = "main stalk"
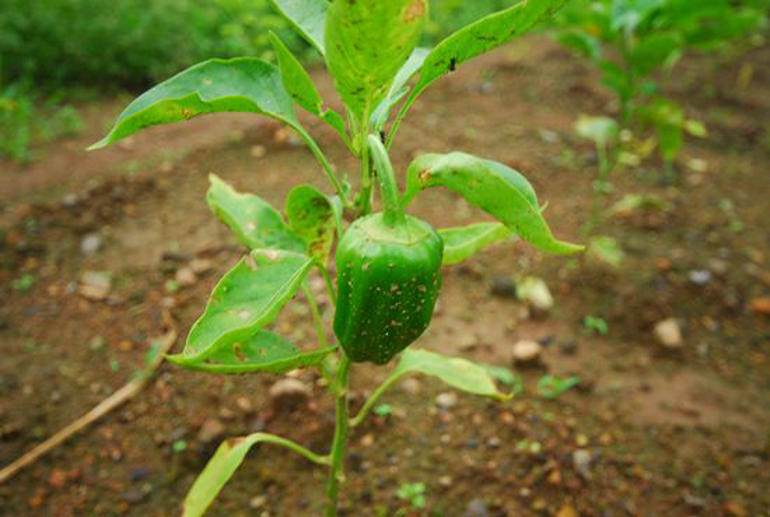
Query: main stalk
(341, 431)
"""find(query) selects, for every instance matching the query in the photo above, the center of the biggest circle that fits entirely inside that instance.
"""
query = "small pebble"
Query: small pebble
(669, 333)
(91, 243)
(185, 277)
(257, 502)
(211, 430)
(581, 461)
(476, 508)
(527, 351)
(446, 400)
(700, 276)
(289, 392)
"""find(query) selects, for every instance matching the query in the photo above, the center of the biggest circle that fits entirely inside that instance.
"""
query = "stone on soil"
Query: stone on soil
(476, 508)
(211, 430)
(91, 243)
(668, 333)
(581, 461)
(289, 392)
(446, 400)
(185, 277)
(535, 292)
(95, 285)
(527, 351)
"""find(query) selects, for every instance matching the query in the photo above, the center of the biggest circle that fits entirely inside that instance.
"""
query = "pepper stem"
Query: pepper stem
(391, 198)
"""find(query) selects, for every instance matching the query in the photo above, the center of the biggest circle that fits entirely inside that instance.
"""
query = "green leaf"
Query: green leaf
(582, 43)
(214, 86)
(616, 79)
(223, 465)
(606, 250)
(367, 42)
(308, 17)
(600, 130)
(217, 473)
(264, 352)
(463, 242)
(255, 223)
(696, 128)
(300, 86)
(480, 37)
(506, 376)
(295, 78)
(456, 372)
(499, 190)
(668, 118)
(398, 89)
(245, 300)
(313, 217)
(654, 50)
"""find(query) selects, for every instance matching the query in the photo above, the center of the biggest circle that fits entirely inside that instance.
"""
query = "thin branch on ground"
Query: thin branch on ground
(128, 391)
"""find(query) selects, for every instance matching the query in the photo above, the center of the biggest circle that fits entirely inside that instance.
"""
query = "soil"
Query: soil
(648, 431)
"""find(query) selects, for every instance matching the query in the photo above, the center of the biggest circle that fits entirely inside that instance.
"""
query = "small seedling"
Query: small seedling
(179, 446)
(413, 493)
(596, 325)
(383, 410)
(550, 386)
(388, 262)
(24, 283)
(506, 376)
(727, 207)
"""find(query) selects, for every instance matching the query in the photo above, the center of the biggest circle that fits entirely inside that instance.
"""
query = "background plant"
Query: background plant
(370, 49)
(633, 42)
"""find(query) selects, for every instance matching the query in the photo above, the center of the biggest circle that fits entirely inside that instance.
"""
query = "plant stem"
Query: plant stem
(326, 367)
(329, 285)
(605, 168)
(339, 444)
(372, 400)
(365, 195)
(399, 118)
(319, 325)
(277, 440)
(391, 198)
(321, 157)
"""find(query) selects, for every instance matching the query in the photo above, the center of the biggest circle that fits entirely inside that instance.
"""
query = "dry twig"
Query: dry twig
(125, 393)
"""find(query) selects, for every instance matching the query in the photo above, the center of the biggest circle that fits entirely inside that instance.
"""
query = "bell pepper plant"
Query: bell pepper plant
(388, 263)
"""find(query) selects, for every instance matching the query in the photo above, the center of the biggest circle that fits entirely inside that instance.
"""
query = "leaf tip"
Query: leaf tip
(104, 142)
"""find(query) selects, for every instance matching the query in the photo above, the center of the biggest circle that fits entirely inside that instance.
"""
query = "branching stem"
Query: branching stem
(321, 157)
(302, 451)
(373, 399)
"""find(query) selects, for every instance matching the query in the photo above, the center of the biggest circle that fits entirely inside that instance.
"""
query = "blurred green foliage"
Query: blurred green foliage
(446, 16)
(135, 43)
(129, 43)
(26, 117)
(50, 47)
(632, 42)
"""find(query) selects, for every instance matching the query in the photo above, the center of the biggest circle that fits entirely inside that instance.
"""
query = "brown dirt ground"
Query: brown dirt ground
(670, 433)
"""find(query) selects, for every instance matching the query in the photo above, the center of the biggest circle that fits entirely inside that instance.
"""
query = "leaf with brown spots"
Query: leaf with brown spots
(314, 217)
(248, 298)
(495, 188)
